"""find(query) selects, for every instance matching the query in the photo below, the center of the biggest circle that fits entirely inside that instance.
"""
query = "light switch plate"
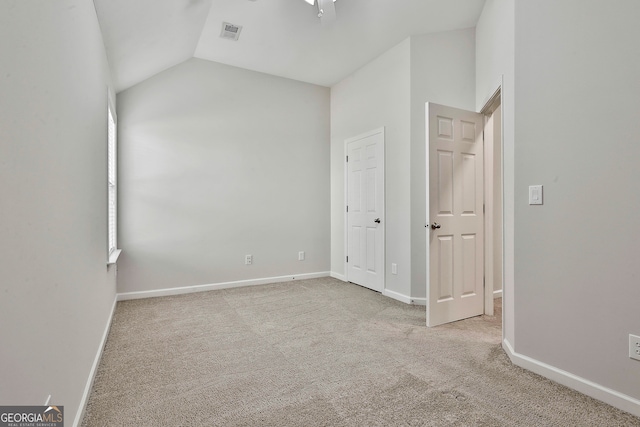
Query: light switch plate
(535, 194)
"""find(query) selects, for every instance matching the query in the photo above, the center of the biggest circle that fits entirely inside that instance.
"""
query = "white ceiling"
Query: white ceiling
(279, 37)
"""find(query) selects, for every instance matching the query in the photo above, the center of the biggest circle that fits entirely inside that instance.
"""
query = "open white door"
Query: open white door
(365, 210)
(455, 288)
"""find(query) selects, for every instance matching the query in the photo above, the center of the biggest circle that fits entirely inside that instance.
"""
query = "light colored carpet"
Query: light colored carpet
(317, 353)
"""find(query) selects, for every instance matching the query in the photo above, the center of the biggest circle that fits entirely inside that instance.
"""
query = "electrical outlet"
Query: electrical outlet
(248, 259)
(301, 256)
(634, 347)
(394, 268)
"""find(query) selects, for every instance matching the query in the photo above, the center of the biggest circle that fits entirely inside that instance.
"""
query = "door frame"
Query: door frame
(377, 131)
(487, 111)
(491, 100)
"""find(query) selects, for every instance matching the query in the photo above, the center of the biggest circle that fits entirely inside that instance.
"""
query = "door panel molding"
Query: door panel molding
(365, 185)
(455, 231)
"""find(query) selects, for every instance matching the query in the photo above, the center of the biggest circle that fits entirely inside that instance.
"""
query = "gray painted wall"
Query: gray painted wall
(575, 269)
(56, 293)
(442, 71)
(217, 162)
(391, 91)
(376, 96)
(576, 257)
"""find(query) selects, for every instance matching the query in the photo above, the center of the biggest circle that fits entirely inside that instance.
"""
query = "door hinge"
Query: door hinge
(347, 258)
(483, 208)
(347, 159)
(347, 208)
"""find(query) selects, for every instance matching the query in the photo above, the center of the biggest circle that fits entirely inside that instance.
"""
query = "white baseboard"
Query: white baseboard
(338, 276)
(497, 294)
(584, 386)
(94, 368)
(386, 292)
(404, 298)
(217, 286)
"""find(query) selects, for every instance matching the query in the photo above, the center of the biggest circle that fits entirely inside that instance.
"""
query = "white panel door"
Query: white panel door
(365, 210)
(455, 277)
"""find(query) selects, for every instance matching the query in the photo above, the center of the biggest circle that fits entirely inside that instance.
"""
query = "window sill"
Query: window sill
(113, 258)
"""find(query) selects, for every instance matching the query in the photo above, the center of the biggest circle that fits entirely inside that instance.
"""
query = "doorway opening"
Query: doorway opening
(492, 112)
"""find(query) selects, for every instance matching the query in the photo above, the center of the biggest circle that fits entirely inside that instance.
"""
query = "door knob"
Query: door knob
(377, 220)
(435, 226)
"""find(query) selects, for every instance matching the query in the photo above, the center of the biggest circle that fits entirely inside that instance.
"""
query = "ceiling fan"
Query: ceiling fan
(326, 11)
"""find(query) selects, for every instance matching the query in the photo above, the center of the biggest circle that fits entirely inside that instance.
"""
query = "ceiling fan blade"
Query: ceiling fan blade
(327, 12)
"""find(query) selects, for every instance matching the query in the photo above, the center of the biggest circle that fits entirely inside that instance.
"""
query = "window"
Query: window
(112, 184)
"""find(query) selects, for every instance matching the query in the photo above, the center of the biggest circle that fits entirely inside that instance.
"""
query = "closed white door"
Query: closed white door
(455, 288)
(365, 210)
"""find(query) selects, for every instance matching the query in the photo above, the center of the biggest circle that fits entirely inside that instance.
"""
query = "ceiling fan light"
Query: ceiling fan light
(312, 2)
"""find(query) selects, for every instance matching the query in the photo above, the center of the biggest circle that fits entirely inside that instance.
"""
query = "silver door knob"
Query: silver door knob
(435, 226)
(377, 220)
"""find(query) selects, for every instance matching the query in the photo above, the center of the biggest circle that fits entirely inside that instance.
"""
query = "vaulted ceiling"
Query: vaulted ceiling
(280, 37)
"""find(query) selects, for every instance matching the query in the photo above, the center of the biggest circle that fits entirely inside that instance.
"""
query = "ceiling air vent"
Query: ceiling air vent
(230, 31)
